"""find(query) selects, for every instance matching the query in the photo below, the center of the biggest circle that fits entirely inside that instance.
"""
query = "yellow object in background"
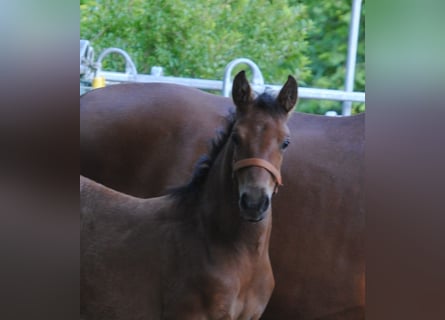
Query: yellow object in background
(98, 82)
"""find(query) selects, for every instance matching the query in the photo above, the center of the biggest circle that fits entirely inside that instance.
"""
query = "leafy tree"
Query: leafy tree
(328, 45)
(198, 38)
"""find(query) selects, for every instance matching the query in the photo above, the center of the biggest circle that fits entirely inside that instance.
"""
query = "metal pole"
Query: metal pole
(257, 76)
(352, 53)
(130, 67)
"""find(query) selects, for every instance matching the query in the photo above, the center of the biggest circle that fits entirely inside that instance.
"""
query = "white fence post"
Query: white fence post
(352, 53)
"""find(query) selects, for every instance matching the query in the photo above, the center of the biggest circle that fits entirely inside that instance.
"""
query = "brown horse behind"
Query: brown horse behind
(201, 252)
(114, 136)
(317, 241)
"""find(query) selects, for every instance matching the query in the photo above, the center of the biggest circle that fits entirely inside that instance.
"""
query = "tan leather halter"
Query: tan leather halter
(256, 162)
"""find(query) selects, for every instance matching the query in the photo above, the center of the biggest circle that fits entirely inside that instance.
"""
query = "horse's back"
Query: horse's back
(95, 198)
(122, 126)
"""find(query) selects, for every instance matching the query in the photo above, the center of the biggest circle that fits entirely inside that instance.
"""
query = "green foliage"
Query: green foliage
(328, 45)
(199, 38)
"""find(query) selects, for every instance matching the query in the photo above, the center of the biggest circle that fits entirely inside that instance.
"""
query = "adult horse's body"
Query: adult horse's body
(317, 241)
(201, 252)
(114, 135)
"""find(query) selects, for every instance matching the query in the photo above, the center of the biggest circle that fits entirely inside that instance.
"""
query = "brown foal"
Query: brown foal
(201, 252)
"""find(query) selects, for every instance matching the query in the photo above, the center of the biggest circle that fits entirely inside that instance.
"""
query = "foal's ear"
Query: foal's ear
(288, 96)
(241, 91)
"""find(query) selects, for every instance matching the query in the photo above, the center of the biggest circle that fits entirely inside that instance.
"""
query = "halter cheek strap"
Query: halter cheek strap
(256, 162)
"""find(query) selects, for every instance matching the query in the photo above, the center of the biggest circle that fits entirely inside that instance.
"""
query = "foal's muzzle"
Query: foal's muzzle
(254, 202)
(254, 205)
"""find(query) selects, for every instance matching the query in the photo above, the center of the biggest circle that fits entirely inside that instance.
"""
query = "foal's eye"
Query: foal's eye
(285, 144)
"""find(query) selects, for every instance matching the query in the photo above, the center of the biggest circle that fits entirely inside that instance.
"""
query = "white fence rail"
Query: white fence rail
(90, 70)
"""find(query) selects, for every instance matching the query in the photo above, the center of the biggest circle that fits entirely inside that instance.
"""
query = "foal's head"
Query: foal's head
(259, 137)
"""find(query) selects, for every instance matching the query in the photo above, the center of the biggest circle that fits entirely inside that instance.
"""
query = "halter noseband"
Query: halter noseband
(256, 162)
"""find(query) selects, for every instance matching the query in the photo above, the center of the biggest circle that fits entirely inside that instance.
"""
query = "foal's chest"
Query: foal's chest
(220, 295)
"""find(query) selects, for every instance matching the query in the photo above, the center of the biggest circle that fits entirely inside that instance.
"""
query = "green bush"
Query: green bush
(199, 38)
(328, 45)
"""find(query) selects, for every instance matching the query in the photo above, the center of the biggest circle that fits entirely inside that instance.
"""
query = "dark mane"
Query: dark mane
(190, 190)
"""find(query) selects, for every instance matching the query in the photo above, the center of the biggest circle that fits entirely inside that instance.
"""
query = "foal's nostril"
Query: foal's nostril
(248, 203)
(244, 202)
(264, 203)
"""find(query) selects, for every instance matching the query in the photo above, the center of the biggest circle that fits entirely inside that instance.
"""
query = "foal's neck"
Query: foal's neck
(220, 212)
